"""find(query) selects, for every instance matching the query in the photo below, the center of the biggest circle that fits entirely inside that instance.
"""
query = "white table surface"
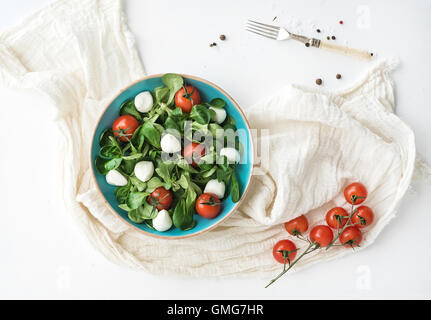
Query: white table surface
(43, 253)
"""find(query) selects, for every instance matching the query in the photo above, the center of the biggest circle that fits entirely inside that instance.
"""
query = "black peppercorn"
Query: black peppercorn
(333, 37)
(319, 81)
(338, 76)
(222, 37)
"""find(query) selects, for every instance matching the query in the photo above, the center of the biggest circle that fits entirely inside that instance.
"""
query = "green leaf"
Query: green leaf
(135, 156)
(209, 173)
(148, 211)
(135, 216)
(128, 166)
(122, 193)
(129, 108)
(99, 163)
(216, 130)
(136, 199)
(234, 189)
(113, 164)
(217, 103)
(185, 166)
(183, 218)
(164, 170)
(161, 94)
(201, 114)
(177, 114)
(174, 82)
(140, 185)
(138, 138)
(104, 137)
(153, 184)
(151, 134)
(110, 151)
(124, 207)
(183, 182)
(170, 123)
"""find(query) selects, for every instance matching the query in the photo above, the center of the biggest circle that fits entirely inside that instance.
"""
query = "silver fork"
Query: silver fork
(279, 33)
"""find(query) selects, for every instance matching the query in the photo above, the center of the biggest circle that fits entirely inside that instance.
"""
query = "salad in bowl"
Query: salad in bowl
(171, 159)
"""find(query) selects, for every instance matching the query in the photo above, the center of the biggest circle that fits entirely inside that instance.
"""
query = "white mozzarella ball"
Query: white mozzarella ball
(231, 154)
(163, 221)
(215, 187)
(144, 170)
(219, 115)
(114, 178)
(144, 101)
(170, 143)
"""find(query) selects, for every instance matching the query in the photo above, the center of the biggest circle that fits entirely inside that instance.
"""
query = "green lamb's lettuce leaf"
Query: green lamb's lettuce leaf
(151, 134)
(140, 185)
(234, 189)
(136, 199)
(99, 163)
(201, 114)
(161, 94)
(104, 137)
(217, 103)
(129, 108)
(113, 164)
(174, 82)
(153, 184)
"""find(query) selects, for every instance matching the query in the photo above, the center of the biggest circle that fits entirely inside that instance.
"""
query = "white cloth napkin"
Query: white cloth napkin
(80, 53)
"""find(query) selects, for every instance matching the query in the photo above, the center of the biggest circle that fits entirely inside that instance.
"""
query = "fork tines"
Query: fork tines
(262, 29)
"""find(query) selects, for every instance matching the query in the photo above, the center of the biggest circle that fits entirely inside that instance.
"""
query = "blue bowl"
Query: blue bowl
(208, 91)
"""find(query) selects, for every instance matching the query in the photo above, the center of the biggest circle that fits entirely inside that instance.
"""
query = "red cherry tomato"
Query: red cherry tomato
(335, 218)
(363, 217)
(355, 193)
(124, 127)
(208, 205)
(296, 226)
(186, 98)
(283, 249)
(351, 237)
(161, 198)
(322, 235)
(193, 152)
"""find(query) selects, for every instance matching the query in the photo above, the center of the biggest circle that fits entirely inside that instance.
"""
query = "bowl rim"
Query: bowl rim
(235, 207)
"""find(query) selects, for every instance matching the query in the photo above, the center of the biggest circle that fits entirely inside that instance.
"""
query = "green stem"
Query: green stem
(293, 263)
(344, 228)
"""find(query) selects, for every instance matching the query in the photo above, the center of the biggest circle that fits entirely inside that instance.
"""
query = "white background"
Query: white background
(43, 253)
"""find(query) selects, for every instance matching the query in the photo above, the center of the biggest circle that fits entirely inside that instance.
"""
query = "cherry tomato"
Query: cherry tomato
(351, 237)
(322, 235)
(289, 249)
(363, 217)
(186, 98)
(355, 193)
(161, 198)
(124, 127)
(335, 218)
(296, 226)
(193, 152)
(208, 205)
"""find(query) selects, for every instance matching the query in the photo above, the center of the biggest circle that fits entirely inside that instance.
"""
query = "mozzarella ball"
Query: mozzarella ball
(231, 154)
(219, 116)
(170, 143)
(163, 221)
(144, 101)
(144, 170)
(114, 178)
(215, 187)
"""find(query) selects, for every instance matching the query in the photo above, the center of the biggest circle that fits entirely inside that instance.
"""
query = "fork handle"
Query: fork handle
(351, 52)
